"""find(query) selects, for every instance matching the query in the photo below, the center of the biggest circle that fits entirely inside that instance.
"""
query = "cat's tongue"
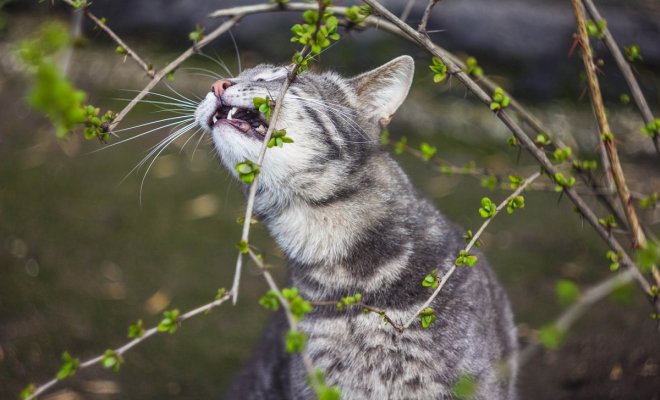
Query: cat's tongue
(241, 125)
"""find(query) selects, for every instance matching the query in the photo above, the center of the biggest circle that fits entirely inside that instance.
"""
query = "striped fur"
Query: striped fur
(348, 220)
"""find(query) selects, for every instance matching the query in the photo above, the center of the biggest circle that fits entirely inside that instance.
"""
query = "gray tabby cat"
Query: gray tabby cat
(348, 220)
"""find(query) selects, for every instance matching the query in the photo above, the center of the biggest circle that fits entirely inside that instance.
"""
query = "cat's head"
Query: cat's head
(334, 122)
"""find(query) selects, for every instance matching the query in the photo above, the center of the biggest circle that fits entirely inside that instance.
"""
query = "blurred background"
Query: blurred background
(82, 257)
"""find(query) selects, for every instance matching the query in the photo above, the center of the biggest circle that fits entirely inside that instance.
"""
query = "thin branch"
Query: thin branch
(590, 296)
(126, 347)
(129, 52)
(626, 71)
(426, 16)
(173, 65)
(607, 139)
(381, 312)
(291, 76)
(407, 9)
(467, 248)
(424, 42)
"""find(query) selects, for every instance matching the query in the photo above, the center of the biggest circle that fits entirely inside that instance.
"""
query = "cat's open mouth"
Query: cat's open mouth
(248, 121)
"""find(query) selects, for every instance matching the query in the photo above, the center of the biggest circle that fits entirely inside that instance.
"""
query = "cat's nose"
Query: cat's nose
(219, 86)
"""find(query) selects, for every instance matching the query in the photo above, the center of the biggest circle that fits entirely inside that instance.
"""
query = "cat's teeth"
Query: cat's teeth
(261, 129)
(215, 118)
(232, 112)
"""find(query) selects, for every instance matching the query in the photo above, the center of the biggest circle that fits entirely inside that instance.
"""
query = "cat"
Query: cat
(348, 220)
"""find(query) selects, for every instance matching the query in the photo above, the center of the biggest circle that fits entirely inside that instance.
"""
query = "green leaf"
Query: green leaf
(562, 155)
(69, 366)
(439, 68)
(270, 301)
(427, 317)
(196, 35)
(567, 292)
(465, 258)
(648, 255)
(400, 146)
(551, 337)
(464, 388)
(633, 53)
(385, 137)
(28, 391)
(295, 341)
(243, 247)
(649, 202)
(487, 208)
(431, 280)
(614, 259)
(500, 99)
(136, 330)
(112, 360)
(247, 171)
(170, 321)
(220, 294)
(472, 67)
(515, 181)
(489, 182)
(514, 204)
(428, 151)
(652, 129)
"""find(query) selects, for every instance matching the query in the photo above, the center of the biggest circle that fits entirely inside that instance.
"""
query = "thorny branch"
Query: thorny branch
(452, 69)
(426, 16)
(626, 71)
(467, 248)
(607, 137)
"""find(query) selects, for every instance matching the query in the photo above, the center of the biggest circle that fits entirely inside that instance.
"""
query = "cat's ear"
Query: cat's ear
(381, 91)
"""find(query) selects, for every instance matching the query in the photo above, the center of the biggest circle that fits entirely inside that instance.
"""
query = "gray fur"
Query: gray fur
(348, 220)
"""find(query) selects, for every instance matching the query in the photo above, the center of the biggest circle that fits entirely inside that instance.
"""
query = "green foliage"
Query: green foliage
(514, 204)
(136, 330)
(308, 34)
(542, 139)
(323, 391)
(515, 181)
(623, 294)
(112, 360)
(243, 246)
(220, 294)
(464, 388)
(652, 129)
(614, 258)
(384, 137)
(431, 280)
(567, 292)
(428, 151)
(650, 201)
(487, 209)
(279, 138)
(357, 14)
(170, 321)
(633, 53)
(28, 391)
(472, 67)
(584, 165)
(299, 306)
(263, 105)
(400, 146)
(489, 182)
(562, 155)
(196, 35)
(69, 366)
(512, 141)
(596, 29)
(270, 301)
(563, 182)
(465, 258)
(52, 94)
(121, 50)
(427, 317)
(247, 171)
(500, 100)
(648, 255)
(468, 238)
(624, 99)
(551, 337)
(608, 222)
(348, 301)
(295, 341)
(607, 136)
(439, 70)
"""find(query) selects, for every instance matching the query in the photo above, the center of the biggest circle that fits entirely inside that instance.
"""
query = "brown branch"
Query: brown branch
(626, 71)
(129, 52)
(382, 313)
(173, 65)
(424, 42)
(607, 137)
(427, 14)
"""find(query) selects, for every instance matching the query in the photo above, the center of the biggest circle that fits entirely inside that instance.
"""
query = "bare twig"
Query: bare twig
(407, 9)
(382, 313)
(129, 52)
(126, 347)
(590, 296)
(426, 16)
(467, 248)
(607, 137)
(626, 71)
